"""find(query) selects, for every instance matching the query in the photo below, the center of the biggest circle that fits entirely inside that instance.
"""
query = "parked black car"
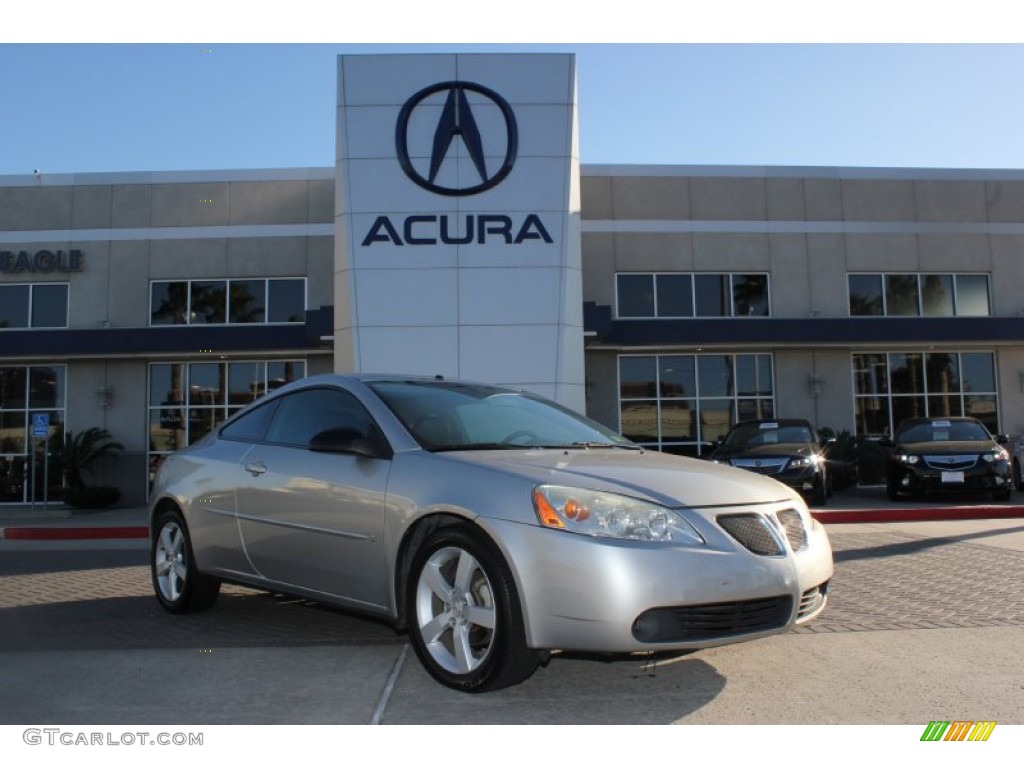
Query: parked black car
(947, 455)
(788, 450)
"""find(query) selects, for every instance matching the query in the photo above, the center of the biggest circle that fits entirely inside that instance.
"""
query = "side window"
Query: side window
(305, 414)
(252, 427)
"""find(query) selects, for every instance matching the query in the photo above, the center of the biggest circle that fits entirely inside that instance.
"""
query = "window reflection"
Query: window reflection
(242, 301)
(865, 294)
(972, 298)
(635, 295)
(679, 403)
(13, 306)
(712, 295)
(937, 295)
(287, 301)
(49, 306)
(208, 302)
(169, 304)
(901, 295)
(941, 295)
(750, 295)
(248, 301)
(675, 295)
(899, 385)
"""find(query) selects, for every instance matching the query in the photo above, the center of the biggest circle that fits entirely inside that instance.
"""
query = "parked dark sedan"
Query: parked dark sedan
(947, 455)
(787, 450)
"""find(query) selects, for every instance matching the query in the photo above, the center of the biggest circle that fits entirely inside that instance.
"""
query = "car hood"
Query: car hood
(672, 481)
(943, 448)
(772, 449)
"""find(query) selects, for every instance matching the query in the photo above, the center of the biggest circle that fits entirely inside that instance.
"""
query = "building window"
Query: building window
(918, 295)
(683, 403)
(28, 305)
(237, 302)
(892, 386)
(678, 295)
(25, 391)
(187, 400)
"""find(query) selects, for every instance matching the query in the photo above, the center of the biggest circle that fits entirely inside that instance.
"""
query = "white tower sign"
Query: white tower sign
(457, 234)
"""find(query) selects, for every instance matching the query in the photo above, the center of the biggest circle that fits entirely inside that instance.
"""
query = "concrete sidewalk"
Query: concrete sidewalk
(858, 505)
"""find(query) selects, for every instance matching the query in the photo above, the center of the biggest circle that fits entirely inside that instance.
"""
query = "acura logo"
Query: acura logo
(457, 120)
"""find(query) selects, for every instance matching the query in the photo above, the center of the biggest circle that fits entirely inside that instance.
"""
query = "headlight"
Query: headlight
(805, 461)
(908, 458)
(595, 513)
(999, 455)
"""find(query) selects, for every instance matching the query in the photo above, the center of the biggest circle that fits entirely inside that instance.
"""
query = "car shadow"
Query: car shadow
(914, 545)
(571, 689)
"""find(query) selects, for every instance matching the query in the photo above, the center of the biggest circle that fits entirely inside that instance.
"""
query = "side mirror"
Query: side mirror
(349, 440)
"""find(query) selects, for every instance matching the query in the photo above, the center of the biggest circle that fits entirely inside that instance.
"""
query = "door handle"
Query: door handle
(256, 468)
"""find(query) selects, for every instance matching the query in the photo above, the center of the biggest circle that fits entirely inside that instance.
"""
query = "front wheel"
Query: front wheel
(179, 586)
(464, 613)
(819, 496)
(892, 491)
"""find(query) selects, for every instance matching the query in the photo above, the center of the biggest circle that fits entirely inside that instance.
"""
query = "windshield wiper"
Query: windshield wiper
(480, 447)
(588, 444)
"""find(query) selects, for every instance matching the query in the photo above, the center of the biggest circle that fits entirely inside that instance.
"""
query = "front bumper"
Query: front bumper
(583, 593)
(927, 480)
(802, 479)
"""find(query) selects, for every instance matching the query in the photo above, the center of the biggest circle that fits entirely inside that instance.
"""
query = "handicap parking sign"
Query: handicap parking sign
(40, 425)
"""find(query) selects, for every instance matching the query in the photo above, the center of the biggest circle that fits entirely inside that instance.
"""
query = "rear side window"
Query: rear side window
(252, 427)
(303, 415)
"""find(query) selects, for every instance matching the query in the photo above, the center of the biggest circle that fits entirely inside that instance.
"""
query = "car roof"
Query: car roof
(372, 378)
(780, 422)
(933, 419)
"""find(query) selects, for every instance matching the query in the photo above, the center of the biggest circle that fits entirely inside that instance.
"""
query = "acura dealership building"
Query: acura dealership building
(457, 234)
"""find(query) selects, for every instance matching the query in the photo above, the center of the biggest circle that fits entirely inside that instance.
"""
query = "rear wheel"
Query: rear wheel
(464, 613)
(179, 586)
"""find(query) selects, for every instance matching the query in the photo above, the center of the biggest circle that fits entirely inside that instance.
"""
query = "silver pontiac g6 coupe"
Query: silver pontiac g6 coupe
(491, 524)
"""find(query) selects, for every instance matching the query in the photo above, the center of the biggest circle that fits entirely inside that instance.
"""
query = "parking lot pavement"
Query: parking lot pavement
(925, 621)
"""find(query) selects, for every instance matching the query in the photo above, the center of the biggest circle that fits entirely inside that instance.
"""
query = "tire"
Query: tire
(179, 587)
(1018, 481)
(820, 494)
(892, 492)
(465, 618)
(1001, 494)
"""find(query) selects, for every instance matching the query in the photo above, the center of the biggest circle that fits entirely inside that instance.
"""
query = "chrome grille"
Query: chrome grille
(753, 532)
(811, 601)
(794, 527)
(954, 463)
(767, 466)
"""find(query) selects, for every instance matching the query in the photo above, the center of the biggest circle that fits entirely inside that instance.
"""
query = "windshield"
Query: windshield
(767, 433)
(444, 416)
(942, 431)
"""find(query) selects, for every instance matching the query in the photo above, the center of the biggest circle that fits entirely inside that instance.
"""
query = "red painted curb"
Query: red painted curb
(59, 532)
(914, 515)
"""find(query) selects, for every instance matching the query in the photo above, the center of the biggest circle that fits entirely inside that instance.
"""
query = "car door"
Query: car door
(312, 519)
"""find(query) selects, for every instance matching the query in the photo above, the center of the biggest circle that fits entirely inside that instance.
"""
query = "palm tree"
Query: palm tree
(76, 453)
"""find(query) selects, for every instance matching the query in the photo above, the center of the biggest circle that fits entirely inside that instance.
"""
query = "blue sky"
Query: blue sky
(113, 107)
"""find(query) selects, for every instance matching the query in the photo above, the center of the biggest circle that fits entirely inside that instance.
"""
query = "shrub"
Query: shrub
(91, 496)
